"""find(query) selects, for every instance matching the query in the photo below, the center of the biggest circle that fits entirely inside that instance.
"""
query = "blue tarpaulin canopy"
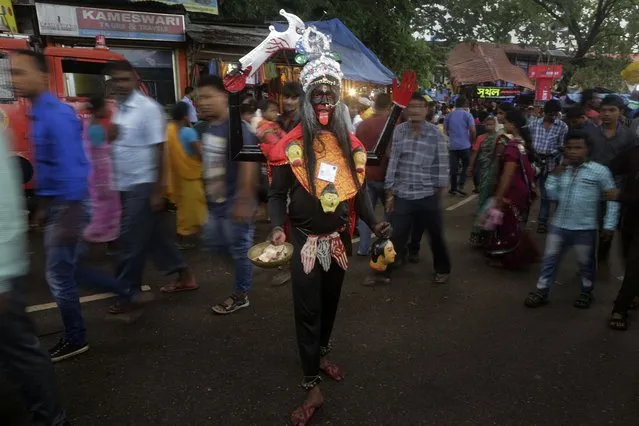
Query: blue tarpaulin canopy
(358, 62)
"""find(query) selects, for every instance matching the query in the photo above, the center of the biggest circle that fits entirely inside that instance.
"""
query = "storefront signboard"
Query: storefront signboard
(70, 21)
(201, 6)
(497, 92)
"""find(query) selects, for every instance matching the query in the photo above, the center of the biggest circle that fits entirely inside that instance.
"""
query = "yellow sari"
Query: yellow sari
(183, 184)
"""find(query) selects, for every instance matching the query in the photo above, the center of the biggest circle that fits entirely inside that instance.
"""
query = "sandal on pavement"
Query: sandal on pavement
(303, 414)
(618, 321)
(233, 303)
(331, 370)
(441, 279)
(536, 299)
(177, 287)
(583, 301)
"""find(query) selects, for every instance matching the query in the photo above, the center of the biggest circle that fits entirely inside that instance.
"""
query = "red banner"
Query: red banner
(543, 89)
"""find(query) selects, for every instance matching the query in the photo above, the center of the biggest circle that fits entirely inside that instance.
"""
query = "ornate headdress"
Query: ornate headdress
(321, 65)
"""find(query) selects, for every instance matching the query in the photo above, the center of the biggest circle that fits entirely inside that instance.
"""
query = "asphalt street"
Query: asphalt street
(468, 353)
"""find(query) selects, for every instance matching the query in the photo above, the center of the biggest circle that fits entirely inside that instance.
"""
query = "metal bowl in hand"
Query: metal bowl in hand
(256, 251)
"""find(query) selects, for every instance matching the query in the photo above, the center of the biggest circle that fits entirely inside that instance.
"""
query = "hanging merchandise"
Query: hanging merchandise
(270, 71)
(214, 67)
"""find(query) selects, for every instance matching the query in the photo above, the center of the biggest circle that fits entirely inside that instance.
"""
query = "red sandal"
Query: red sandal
(333, 371)
(303, 414)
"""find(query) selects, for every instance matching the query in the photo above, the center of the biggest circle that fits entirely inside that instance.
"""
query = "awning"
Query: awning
(226, 35)
(476, 63)
(358, 62)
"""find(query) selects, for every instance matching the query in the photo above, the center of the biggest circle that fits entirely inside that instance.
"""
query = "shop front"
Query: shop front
(154, 43)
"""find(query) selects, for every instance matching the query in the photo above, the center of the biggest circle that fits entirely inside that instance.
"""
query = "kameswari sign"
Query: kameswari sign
(58, 20)
(497, 92)
(200, 6)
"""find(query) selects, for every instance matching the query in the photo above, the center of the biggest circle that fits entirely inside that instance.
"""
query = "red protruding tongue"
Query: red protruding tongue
(322, 116)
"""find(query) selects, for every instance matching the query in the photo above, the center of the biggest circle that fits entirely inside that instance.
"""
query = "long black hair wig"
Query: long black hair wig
(311, 128)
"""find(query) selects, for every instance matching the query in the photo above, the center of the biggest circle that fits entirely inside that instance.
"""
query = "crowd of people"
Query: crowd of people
(107, 181)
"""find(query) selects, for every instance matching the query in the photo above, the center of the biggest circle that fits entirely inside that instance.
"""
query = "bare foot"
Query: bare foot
(303, 414)
(331, 370)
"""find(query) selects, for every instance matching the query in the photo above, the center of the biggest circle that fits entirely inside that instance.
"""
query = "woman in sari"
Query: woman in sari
(508, 244)
(105, 202)
(482, 161)
(184, 174)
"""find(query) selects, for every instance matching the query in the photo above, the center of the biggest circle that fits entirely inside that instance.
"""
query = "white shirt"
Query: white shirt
(192, 110)
(141, 127)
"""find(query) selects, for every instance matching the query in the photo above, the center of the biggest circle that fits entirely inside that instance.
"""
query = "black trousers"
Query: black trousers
(315, 301)
(413, 217)
(26, 364)
(630, 286)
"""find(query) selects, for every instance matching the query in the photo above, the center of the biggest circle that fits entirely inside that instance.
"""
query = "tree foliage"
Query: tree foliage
(384, 26)
(580, 26)
(599, 70)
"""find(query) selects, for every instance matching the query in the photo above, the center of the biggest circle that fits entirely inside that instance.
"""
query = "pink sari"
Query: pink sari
(105, 202)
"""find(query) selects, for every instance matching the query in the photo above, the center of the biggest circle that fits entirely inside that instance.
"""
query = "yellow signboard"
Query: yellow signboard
(7, 17)
(201, 6)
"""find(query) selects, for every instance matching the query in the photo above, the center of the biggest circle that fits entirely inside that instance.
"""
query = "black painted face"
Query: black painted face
(323, 95)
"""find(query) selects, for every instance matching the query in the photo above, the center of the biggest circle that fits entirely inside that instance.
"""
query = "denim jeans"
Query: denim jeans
(26, 364)
(544, 202)
(376, 193)
(143, 231)
(455, 156)
(62, 234)
(557, 242)
(221, 235)
(64, 269)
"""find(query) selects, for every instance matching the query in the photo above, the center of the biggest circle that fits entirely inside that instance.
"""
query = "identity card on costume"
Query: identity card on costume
(327, 172)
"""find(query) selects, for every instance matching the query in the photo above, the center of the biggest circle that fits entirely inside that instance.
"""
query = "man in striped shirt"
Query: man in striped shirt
(416, 177)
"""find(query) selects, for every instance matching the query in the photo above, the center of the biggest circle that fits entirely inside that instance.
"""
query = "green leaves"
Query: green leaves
(579, 26)
(384, 26)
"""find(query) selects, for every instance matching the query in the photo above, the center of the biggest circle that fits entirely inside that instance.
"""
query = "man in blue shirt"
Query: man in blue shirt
(460, 128)
(61, 172)
(578, 185)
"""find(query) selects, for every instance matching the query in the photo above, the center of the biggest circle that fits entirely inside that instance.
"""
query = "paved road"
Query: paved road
(466, 354)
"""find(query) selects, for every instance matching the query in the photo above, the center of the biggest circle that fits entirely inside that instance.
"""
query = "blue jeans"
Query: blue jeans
(62, 235)
(557, 242)
(221, 235)
(63, 250)
(544, 203)
(143, 231)
(376, 193)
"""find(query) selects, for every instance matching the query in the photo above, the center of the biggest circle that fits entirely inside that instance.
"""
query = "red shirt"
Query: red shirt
(368, 132)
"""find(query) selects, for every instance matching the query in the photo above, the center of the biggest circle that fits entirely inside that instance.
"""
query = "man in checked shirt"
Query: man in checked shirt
(578, 184)
(548, 134)
(416, 177)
